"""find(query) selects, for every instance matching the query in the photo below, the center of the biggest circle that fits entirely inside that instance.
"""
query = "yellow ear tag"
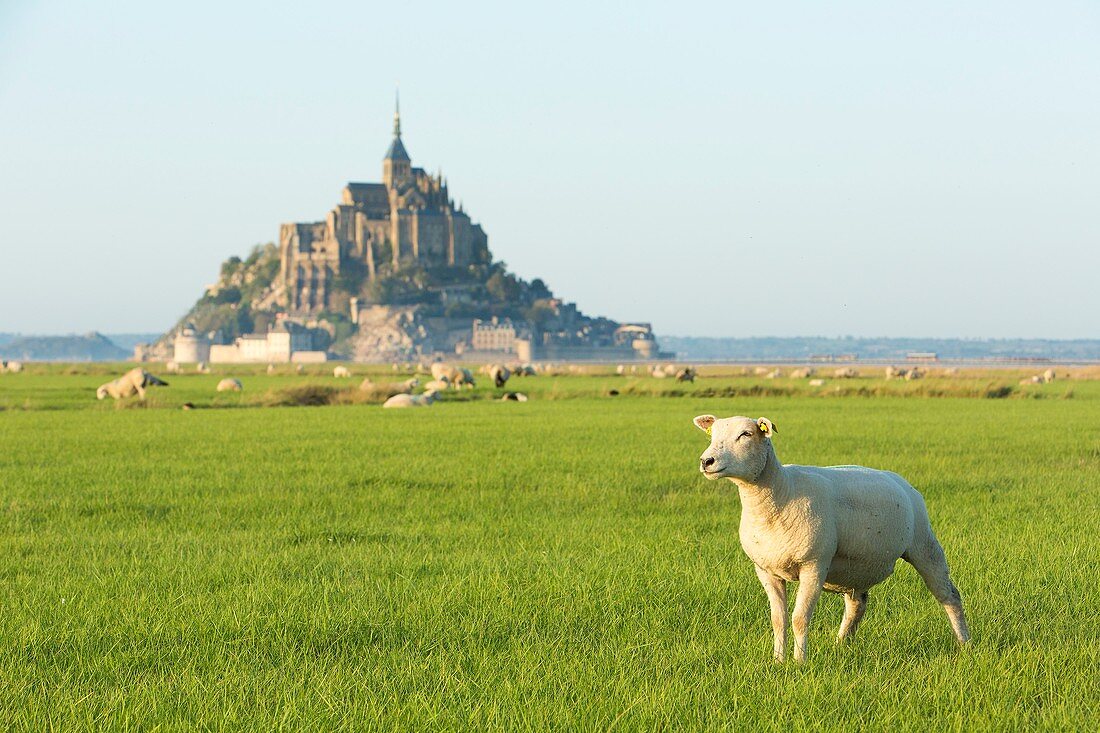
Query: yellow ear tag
(708, 430)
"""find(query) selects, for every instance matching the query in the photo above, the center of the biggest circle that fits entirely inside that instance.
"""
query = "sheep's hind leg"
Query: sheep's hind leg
(855, 604)
(776, 589)
(932, 566)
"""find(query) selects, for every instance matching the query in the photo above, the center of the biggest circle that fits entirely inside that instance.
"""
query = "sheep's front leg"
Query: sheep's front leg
(811, 579)
(776, 589)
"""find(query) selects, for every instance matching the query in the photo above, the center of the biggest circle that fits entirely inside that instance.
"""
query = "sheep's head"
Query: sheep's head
(739, 446)
(101, 393)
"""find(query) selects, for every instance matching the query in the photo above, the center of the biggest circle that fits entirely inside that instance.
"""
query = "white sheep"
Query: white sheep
(658, 373)
(816, 383)
(230, 384)
(132, 382)
(513, 397)
(499, 374)
(687, 374)
(438, 385)
(839, 529)
(15, 367)
(803, 373)
(845, 373)
(620, 370)
(409, 400)
(341, 372)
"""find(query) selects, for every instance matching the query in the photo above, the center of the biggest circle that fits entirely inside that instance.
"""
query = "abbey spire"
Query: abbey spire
(396, 166)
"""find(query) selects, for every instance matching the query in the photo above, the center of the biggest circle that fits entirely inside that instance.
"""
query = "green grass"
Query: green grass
(554, 564)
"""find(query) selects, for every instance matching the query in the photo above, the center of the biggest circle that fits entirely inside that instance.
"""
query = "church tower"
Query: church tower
(396, 166)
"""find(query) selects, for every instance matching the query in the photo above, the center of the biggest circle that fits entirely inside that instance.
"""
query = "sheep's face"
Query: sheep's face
(101, 393)
(739, 447)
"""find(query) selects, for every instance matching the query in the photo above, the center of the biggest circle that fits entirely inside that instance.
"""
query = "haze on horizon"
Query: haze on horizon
(717, 169)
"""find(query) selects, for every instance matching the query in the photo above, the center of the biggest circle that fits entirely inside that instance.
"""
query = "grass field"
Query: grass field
(553, 564)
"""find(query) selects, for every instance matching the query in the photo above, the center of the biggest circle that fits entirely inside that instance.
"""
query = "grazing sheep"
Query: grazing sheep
(438, 385)
(846, 373)
(440, 370)
(760, 371)
(839, 529)
(620, 370)
(803, 373)
(463, 378)
(499, 374)
(341, 372)
(774, 374)
(816, 382)
(914, 373)
(893, 372)
(1048, 376)
(410, 400)
(133, 381)
(658, 373)
(513, 397)
(229, 384)
(687, 374)
(14, 367)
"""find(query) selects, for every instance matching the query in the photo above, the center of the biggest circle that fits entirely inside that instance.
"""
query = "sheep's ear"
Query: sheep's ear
(704, 422)
(766, 427)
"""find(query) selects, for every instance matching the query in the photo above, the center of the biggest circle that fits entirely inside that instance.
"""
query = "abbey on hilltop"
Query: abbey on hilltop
(395, 271)
(408, 218)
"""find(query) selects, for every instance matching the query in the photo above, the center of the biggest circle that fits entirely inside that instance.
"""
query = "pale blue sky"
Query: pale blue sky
(719, 169)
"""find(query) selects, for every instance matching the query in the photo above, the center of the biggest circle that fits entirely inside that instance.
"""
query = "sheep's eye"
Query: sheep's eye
(746, 434)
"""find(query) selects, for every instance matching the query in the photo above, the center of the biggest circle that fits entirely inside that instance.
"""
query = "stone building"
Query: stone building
(190, 346)
(494, 335)
(407, 218)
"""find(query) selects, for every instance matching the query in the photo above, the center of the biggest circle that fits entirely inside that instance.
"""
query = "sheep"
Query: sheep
(1048, 376)
(201, 368)
(846, 373)
(463, 378)
(341, 372)
(893, 372)
(133, 381)
(513, 397)
(816, 382)
(270, 368)
(438, 385)
(803, 373)
(913, 374)
(229, 384)
(499, 374)
(409, 400)
(299, 369)
(620, 370)
(687, 374)
(774, 374)
(658, 373)
(840, 529)
(14, 367)
(440, 370)
(760, 371)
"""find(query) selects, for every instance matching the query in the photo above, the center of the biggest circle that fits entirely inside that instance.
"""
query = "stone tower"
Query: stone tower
(396, 166)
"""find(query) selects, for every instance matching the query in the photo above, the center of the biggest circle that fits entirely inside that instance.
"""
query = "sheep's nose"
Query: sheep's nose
(706, 463)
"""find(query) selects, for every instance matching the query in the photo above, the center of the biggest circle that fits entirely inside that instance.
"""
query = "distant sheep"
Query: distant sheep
(229, 384)
(803, 373)
(914, 373)
(816, 382)
(658, 373)
(341, 372)
(840, 529)
(499, 374)
(774, 374)
(14, 367)
(438, 385)
(687, 374)
(513, 397)
(408, 400)
(761, 371)
(846, 373)
(620, 370)
(132, 382)
(893, 372)
(270, 368)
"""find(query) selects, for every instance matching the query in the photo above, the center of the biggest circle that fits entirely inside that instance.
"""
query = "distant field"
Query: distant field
(553, 564)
